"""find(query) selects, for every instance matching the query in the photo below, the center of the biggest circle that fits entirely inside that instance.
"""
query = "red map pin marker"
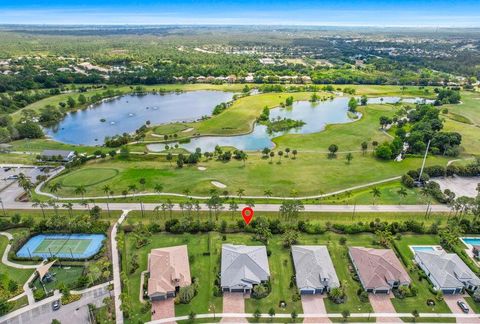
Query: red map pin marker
(247, 214)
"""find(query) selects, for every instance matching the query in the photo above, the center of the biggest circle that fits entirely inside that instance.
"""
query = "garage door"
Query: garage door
(448, 291)
(307, 292)
(381, 291)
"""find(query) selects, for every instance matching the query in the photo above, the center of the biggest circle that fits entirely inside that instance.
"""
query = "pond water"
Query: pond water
(315, 115)
(127, 113)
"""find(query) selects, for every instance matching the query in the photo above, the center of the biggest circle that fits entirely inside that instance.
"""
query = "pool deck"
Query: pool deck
(433, 247)
(469, 248)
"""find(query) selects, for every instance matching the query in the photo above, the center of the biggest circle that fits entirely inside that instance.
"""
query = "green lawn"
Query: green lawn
(407, 305)
(347, 136)
(203, 267)
(308, 174)
(67, 275)
(19, 275)
(470, 135)
(470, 107)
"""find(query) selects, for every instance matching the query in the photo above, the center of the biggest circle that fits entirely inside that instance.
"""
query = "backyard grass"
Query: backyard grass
(418, 302)
(308, 174)
(202, 266)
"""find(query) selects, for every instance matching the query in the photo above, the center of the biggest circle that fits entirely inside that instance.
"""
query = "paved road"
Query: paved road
(74, 313)
(117, 284)
(263, 207)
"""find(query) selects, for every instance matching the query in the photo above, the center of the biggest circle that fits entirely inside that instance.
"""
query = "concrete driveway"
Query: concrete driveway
(163, 309)
(451, 301)
(314, 304)
(233, 303)
(381, 303)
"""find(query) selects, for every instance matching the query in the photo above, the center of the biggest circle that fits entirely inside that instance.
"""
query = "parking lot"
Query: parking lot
(9, 189)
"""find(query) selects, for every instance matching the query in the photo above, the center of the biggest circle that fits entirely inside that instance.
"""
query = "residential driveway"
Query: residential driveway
(233, 303)
(382, 304)
(163, 309)
(451, 301)
(314, 304)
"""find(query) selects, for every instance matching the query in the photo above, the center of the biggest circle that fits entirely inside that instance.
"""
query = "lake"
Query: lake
(315, 115)
(127, 113)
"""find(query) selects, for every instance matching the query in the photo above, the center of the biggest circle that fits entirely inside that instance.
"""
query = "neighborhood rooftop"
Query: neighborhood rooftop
(243, 266)
(169, 268)
(447, 271)
(379, 270)
(314, 269)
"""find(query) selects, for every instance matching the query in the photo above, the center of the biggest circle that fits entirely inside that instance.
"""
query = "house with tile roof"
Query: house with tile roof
(169, 270)
(314, 271)
(243, 267)
(447, 272)
(379, 270)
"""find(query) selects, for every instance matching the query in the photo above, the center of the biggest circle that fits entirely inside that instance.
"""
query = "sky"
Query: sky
(398, 13)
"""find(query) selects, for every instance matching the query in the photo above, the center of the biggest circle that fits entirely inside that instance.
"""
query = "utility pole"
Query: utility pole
(424, 160)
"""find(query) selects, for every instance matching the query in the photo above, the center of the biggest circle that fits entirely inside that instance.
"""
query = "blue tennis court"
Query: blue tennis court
(64, 246)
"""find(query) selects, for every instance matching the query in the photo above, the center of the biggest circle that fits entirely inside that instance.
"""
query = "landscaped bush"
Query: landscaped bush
(261, 290)
(337, 295)
(186, 294)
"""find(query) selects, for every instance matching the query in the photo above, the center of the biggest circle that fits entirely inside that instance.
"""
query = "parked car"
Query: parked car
(56, 305)
(463, 306)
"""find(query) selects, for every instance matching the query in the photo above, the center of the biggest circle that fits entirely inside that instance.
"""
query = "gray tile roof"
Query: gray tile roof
(243, 266)
(447, 269)
(64, 154)
(313, 267)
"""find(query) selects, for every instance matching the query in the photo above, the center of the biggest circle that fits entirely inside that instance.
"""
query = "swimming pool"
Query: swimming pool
(471, 240)
(423, 248)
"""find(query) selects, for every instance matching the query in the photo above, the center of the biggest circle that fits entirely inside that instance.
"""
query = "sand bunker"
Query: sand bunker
(201, 168)
(187, 130)
(218, 184)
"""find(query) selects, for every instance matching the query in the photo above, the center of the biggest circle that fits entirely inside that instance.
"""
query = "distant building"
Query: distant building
(57, 155)
(169, 270)
(314, 271)
(379, 270)
(243, 267)
(267, 61)
(447, 272)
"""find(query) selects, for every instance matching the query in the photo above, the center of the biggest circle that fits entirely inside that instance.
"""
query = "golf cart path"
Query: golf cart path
(9, 263)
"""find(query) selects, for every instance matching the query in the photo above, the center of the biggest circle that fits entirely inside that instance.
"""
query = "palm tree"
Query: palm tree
(158, 188)
(268, 193)
(132, 188)
(280, 154)
(240, 193)
(233, 207)
(287, 150)
(68, 206)
(402, 192)
(25, 183)
(294, 152)
(186, 192)
(107, 190)
(142, 181)
(41, 204)
(55, 187)
(157, 209)
(243, 157)
(272, 154)
(170, 158)
(80, 190)
(375, 193)
(349, 157)
(52, 204)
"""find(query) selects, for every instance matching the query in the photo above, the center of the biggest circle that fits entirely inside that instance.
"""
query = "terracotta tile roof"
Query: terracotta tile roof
(377, 267)
(169, 268)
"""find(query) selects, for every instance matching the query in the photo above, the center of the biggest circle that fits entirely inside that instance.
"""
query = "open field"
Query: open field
(308, 174)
